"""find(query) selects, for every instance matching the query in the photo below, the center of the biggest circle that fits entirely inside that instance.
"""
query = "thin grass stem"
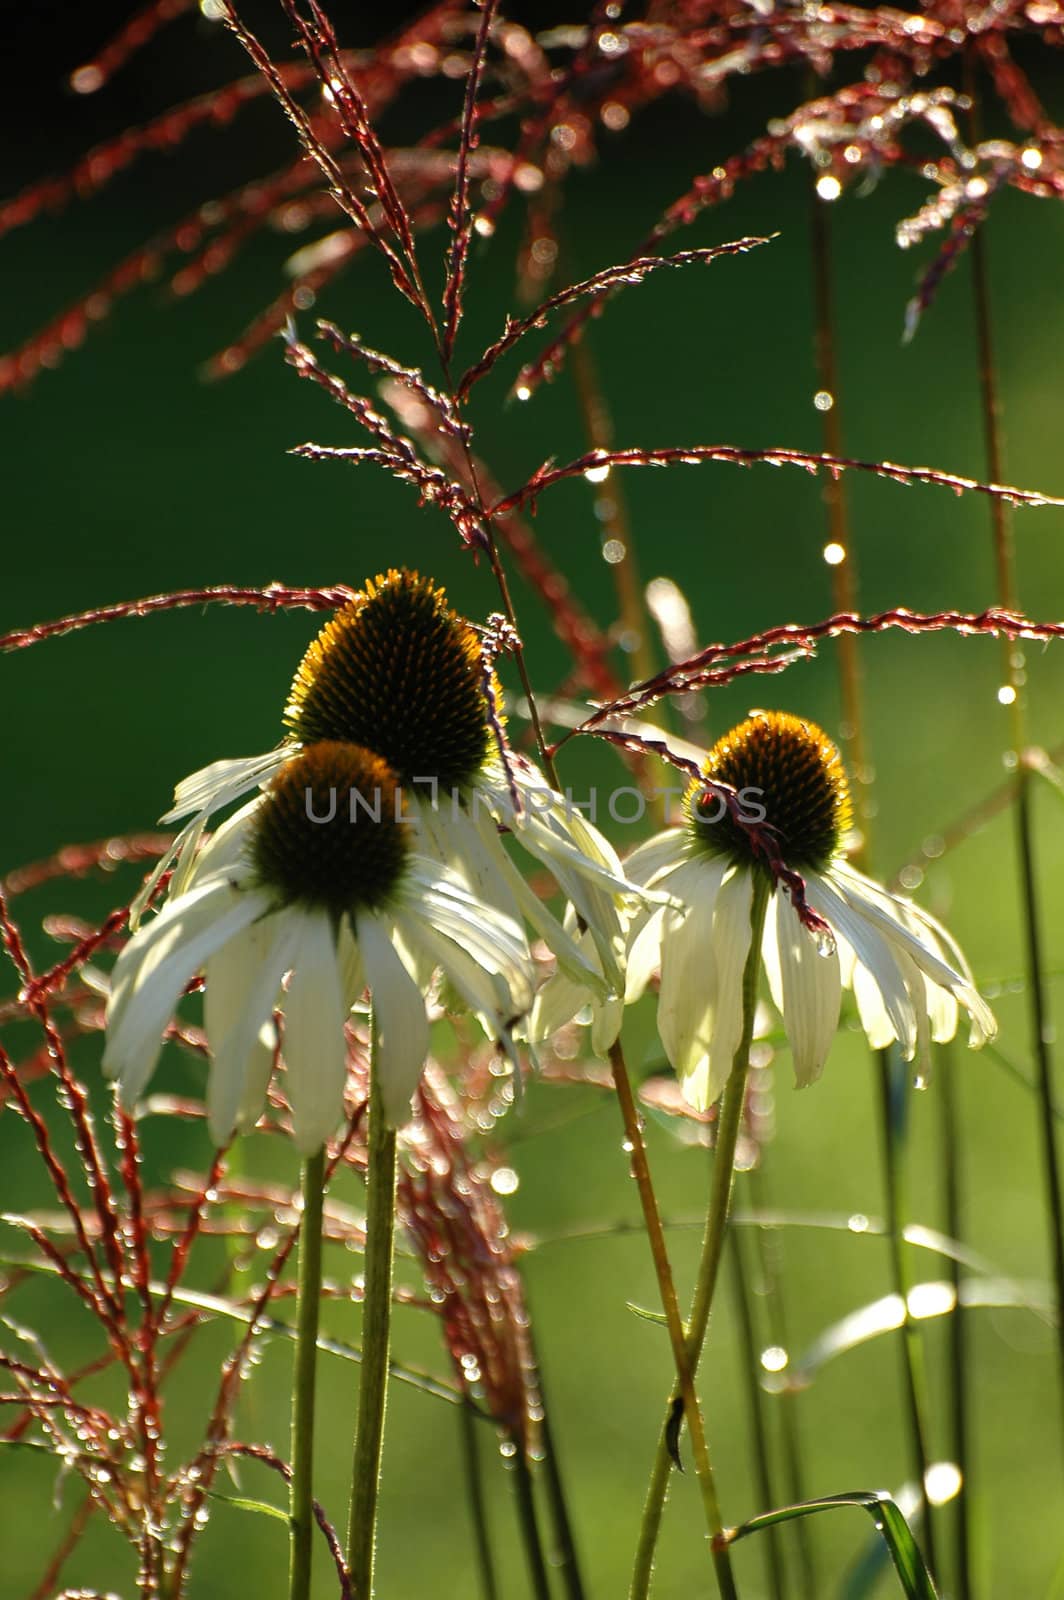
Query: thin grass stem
(376, 1335)
(775, 1571)
(720, 1189)
(305, 1380)
(958, 1326)
(1026, 849)
(844, 596)
(529, 1523)
(565, 1559)
(914, 1380)
(769, 1253)
(478, 1511)
(667, 1290)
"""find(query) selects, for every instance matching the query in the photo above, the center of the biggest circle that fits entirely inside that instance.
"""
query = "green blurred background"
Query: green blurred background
(125, 474)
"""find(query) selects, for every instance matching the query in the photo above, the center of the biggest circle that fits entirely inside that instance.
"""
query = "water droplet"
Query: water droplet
(828, 187)
(86, 80)
(523, 392)
(597, 474)
(504, 1180)
(1006, 695)
(614, 552)
(508, 1449)
(1031, 158)
(834, 554)
(858, 1223)
(823, 400)
(775, 1358)
(942, 1482)
(825, 942)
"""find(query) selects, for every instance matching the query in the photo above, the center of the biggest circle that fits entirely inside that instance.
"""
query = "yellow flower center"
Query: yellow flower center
(789, 776)
(330, 831)
(399, 672)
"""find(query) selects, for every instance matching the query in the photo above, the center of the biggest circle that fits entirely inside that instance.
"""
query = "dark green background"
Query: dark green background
(125, 475)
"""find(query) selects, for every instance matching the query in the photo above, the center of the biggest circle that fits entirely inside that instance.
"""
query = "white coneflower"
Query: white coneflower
(317, 878)
(400, 672)
(908, 974)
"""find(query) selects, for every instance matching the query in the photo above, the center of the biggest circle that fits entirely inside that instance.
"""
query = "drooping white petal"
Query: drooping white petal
(686, 1005)
(203, 792)
(572, 954)
(810, 990)
(487, 994)
(148, 981)
(644, 954)
(731, 945)
(490, 936)
(878, 1028)
(400, 1026)
(182, 844)
(556, 1004)
(217, 785)
(243, 980)
(315, 1051)
(665, 850)
(224, 855)
(983, 1022)
(873, 953)
(448, 835)
(349, 960)
(890, 915)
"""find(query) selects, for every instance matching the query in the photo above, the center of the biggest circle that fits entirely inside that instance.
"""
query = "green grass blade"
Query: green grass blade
(890, 1524)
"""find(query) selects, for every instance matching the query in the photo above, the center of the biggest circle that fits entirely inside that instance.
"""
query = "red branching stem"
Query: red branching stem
(273, 597)
(258, 1452)
(434, 487)
(134, 34)
(77, 860)
(350, 344)
(710, 664)
(460, 214)
(589, 645)
(183, 1245)
(626, 272)
(811, 461)
(64, 1550)
(307, 365)
(105, 161)
(36, 988)
(81, 1116)
(146, 1407)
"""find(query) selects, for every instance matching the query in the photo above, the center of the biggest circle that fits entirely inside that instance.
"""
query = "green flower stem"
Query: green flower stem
(728, 1121)
(913, 1370)
(667, 1291)
(306, 1367)
(376, 1330)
